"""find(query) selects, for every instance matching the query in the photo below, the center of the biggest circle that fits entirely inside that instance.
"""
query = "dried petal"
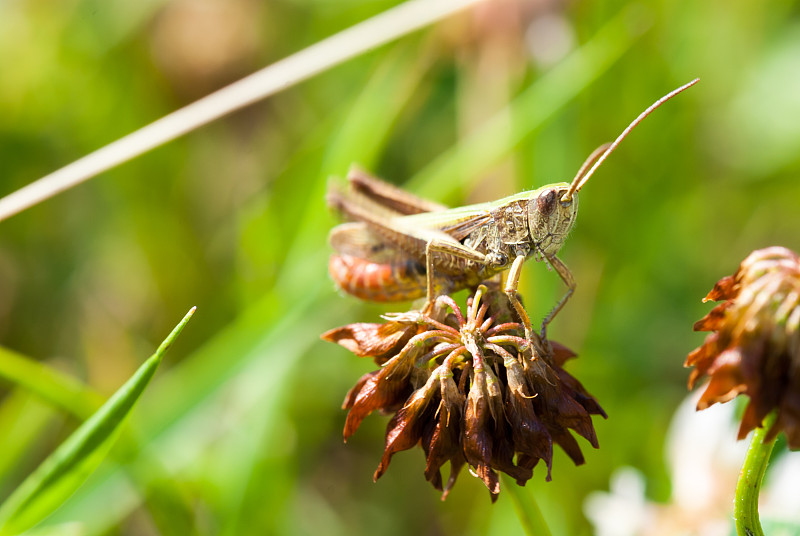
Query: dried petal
(352, 394)
(726, 380)
(441, 441)
(725, 289)
(713, 320)
(528, 432)
(503, 455)
(561, 354)
(530, 435)
(405, 428)
(477, 438)
(379, 341)
(577, 392)
(385, 390)
(555, 407)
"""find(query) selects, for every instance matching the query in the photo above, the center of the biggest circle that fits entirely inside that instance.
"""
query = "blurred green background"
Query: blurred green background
(240, 432)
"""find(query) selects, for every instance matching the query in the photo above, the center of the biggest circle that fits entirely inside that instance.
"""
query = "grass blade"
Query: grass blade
(77, 457)
(48, 384)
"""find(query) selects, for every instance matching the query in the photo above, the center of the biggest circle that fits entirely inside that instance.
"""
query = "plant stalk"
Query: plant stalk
(745, 504)
(528, 512)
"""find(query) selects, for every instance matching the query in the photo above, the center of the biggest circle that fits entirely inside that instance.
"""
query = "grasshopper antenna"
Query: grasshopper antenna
(602, 152)
(597, 153)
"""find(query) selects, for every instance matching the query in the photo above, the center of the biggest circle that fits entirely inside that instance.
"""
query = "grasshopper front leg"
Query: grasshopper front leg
(512, 284)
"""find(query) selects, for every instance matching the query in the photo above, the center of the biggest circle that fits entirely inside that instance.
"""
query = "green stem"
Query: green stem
(747, 489)
(530, 517)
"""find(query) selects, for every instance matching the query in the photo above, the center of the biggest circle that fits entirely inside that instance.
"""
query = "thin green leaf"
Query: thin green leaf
(49, 384)
(77, 457)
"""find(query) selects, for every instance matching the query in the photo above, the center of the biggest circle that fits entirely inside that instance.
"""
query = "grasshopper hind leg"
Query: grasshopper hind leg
(445, 248)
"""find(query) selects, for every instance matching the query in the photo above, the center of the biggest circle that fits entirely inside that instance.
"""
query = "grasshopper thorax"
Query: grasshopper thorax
(549, 218)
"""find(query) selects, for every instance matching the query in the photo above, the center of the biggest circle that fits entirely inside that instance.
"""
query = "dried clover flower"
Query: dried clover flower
(754, 347)
(469, 389)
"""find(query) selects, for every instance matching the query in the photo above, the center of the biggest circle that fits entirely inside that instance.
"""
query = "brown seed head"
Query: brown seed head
(754, 347)
(468, 389)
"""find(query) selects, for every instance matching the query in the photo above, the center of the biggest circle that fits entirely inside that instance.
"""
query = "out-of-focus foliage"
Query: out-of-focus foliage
(240, 432)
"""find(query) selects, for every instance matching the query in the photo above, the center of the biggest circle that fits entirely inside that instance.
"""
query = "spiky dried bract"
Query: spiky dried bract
(468, 389)
(754, 347)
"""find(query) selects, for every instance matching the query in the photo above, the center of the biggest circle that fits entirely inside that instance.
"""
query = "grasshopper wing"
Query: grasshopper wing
(388, 195)
(458, 223)
(358, 240)
(387, 234)
(378, 224)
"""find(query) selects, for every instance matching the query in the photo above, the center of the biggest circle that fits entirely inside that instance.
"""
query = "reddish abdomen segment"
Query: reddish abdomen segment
(374, 281)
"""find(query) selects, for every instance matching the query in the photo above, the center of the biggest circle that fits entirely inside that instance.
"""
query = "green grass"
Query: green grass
(240, 430)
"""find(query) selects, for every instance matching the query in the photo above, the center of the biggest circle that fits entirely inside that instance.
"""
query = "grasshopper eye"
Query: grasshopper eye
(546, 202)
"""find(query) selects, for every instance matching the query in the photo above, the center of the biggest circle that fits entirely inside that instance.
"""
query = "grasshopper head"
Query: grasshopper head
(549, 218)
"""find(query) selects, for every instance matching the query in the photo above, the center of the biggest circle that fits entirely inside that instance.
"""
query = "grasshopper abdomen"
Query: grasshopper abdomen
(375, 281)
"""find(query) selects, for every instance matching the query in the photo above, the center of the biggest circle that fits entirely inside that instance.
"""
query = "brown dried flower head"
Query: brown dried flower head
(468, 389)
(754, 347)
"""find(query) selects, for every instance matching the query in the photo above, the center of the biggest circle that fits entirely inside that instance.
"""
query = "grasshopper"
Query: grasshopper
(400, 247)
